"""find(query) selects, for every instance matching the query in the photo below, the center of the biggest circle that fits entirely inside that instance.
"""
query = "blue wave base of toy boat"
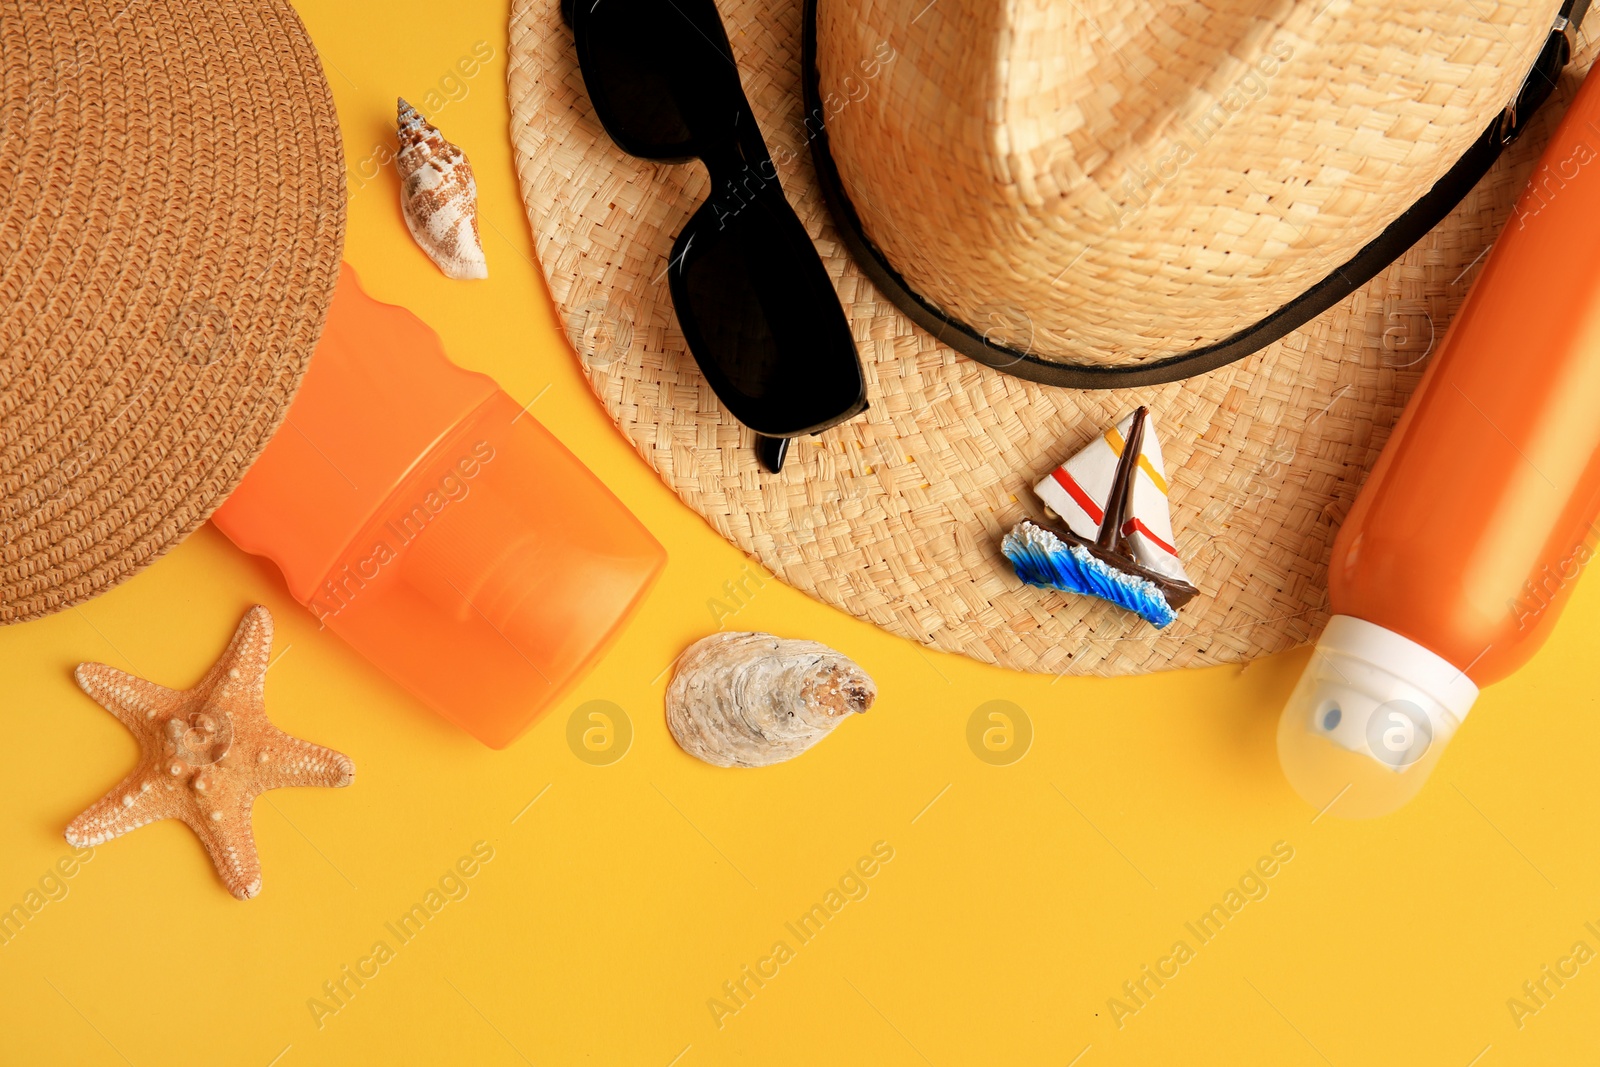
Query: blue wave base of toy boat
(1044, 560)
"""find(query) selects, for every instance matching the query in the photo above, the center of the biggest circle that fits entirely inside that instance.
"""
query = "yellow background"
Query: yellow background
(1019, 898)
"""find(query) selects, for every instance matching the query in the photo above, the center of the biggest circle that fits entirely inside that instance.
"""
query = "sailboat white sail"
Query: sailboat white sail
(1078, 489)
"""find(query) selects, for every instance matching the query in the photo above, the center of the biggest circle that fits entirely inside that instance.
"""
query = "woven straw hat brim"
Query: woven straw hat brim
(896, 516)
(171, 226)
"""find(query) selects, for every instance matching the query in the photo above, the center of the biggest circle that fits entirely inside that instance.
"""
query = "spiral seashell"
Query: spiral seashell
(439, 197)
(751, 699)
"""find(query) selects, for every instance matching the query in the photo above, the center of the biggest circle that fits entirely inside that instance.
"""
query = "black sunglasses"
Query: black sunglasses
(755, 303)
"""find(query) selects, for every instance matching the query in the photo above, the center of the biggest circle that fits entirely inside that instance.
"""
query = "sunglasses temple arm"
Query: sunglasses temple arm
(771, 451)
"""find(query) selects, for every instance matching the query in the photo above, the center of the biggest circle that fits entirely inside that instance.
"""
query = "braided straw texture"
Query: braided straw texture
(171, 224)
(896, 516)
(1139, 178)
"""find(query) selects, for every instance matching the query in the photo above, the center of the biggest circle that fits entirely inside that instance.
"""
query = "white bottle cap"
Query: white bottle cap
(1369, 719)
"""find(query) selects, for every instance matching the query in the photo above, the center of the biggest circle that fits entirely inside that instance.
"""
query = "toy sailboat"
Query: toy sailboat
(1119, 545)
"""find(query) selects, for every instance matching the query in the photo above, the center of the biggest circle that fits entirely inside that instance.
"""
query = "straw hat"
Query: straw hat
(1136, 188)
(171, 224)
(1085, 184)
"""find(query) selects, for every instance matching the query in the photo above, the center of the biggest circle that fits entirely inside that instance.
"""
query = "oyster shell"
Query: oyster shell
(439, 197)
(752, 699)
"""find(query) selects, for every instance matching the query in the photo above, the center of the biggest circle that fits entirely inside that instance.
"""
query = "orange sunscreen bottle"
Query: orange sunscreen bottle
(432, 523)
(1473, 527)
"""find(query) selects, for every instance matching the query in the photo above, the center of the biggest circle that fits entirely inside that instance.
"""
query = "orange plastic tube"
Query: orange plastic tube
(437, 527)
(1466, 540)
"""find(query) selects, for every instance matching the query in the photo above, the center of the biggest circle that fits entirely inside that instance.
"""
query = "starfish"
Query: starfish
(207, 753)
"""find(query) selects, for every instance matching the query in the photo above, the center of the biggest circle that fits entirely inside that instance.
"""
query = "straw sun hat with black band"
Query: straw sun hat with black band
(171, 224)
(1089, 192)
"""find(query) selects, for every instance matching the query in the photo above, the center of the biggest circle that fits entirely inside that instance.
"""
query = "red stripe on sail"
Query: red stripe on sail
(1075, 491)
(1135, 524)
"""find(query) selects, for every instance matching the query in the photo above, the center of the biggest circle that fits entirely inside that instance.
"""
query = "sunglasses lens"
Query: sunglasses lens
(763, 320)
(640, 59)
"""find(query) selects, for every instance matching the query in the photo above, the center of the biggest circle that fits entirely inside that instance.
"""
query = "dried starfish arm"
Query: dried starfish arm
(241, 673)
(136, 703)
(287, 762)
(233, 854)
(138, 799)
